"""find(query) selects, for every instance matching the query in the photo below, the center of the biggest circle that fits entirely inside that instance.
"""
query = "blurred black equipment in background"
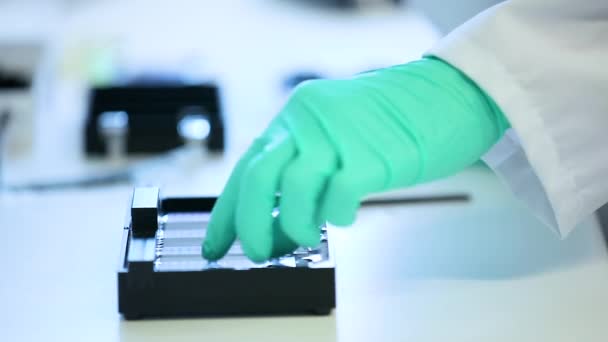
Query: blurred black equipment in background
(137, 119)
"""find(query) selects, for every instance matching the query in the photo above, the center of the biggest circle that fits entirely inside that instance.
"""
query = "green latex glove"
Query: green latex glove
(336, 141)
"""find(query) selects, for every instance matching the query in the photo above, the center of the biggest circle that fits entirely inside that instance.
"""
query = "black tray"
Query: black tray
(162, 273)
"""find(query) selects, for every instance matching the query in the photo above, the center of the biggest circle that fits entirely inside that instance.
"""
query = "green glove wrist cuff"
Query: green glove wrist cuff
(449, 120)
(501, 120)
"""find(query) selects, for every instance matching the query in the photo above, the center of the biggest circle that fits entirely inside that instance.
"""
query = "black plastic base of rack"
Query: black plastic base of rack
(146, 292)
(226, 292)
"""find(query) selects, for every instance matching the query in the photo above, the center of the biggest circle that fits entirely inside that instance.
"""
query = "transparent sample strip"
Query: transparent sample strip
(180, 237)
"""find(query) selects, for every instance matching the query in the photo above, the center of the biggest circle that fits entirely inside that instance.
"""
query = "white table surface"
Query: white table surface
(479, 271)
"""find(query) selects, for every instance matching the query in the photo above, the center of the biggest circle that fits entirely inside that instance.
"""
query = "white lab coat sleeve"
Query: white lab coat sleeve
(545, 63)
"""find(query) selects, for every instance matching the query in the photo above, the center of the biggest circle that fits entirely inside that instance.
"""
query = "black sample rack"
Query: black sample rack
(162, 273)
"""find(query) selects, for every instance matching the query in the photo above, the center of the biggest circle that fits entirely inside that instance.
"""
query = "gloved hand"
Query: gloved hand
(336, 141)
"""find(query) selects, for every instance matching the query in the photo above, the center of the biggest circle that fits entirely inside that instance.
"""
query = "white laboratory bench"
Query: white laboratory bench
(484, 270)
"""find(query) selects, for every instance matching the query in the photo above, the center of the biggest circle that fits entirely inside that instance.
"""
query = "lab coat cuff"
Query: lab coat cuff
(528, 159)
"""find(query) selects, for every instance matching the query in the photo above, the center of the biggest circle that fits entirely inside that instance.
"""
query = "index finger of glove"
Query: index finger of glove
(221, 231)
